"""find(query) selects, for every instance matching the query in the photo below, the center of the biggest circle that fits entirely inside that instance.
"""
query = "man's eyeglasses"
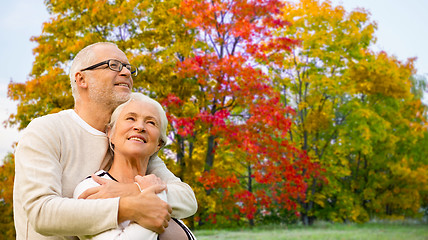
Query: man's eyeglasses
(114, 65)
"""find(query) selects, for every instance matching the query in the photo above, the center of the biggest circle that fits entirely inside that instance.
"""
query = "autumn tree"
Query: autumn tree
(354, 108)
(392, 183)
(235, 113)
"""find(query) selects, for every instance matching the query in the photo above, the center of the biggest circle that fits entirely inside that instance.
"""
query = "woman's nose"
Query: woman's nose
(139, 128)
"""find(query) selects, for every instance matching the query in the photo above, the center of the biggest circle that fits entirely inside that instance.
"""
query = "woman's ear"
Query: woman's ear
(108, 131)
(108, 128)
(160, 145)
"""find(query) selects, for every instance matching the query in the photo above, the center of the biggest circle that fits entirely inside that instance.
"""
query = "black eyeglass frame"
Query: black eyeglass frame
(121, 64)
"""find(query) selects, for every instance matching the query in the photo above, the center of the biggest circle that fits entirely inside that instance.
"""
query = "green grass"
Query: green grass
(324, 231)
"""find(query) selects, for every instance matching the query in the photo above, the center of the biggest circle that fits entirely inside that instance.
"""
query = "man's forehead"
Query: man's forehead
(105, 52)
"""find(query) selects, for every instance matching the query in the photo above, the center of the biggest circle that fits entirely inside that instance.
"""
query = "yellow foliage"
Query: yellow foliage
(359, 215)
(316, 121)
(319, 199)
(381, 74)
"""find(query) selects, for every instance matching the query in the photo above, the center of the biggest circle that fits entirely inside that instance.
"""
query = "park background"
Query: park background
(279, 113)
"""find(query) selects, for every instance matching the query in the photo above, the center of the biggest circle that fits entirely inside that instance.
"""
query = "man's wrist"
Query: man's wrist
(125, 210)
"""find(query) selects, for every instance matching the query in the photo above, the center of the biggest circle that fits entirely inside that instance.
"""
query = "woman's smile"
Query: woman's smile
(137, 131)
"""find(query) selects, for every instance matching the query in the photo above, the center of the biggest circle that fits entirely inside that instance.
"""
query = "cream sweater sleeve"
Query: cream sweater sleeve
(39, 187)
(180, 195)
(126, 230)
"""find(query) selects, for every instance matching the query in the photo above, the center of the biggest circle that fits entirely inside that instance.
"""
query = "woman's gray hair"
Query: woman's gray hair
(83, 59)
(146, 99)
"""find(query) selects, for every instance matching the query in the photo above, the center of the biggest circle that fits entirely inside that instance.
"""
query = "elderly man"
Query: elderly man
(57, 151)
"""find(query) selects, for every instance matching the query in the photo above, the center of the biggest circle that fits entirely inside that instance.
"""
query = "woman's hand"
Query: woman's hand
(109, 189)
(148, 180)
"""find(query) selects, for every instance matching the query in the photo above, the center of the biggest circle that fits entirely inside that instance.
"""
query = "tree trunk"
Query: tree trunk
(180, 156)
(250, 189)
(209, 159)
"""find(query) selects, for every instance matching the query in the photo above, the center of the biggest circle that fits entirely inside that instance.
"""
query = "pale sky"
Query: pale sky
(402, 32)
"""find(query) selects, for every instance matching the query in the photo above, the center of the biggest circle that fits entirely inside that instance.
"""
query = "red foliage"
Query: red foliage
(246, 202)
(172, 100)
(184, 126)
(212, 180)
(241, 109)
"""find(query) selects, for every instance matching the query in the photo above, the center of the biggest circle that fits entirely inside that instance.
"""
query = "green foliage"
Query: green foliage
(7, 173)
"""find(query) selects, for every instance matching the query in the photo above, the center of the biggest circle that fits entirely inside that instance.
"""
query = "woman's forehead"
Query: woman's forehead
(140, 108)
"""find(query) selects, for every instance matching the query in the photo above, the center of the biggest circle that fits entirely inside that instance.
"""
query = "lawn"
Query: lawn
(324, 231)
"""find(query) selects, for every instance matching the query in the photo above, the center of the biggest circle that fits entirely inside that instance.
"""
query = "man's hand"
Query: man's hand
(146, 209)
(109, 189)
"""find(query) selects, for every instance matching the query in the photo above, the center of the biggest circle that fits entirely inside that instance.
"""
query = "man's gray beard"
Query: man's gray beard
(110, 101)
(119, 100)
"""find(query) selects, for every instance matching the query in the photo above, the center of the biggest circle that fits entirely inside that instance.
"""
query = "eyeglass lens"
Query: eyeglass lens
(116, 65)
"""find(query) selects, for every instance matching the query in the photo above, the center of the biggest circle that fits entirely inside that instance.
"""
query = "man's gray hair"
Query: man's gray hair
(82, 60)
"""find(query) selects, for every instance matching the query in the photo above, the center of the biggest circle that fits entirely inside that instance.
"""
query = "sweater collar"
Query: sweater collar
(84, 124)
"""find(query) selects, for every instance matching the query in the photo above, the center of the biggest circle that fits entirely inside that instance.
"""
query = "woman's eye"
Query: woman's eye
(152, 122)
(130, 118)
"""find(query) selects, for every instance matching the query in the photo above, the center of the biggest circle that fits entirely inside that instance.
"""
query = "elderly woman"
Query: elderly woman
(136, 132)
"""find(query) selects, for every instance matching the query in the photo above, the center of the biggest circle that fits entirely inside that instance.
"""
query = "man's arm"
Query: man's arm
(155, 213)
(158, 212)
(180, 195)
(128, 231)
(38, 186)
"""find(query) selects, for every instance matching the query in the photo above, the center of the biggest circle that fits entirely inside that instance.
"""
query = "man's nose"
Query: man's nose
(125, 72)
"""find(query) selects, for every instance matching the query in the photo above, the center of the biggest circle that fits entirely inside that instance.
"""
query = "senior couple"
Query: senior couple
(112, 136)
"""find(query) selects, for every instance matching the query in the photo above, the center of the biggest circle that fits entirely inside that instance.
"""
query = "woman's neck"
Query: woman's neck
(124, 170)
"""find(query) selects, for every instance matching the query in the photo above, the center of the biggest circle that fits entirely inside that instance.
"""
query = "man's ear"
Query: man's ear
(80, 80)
